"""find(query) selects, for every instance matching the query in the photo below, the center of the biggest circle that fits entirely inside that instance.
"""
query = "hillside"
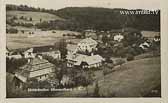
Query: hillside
(80, 18)
(36, 16)
(105, 19)
(137, 78)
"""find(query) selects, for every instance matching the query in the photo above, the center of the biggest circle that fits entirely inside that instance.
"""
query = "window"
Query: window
(29, 53)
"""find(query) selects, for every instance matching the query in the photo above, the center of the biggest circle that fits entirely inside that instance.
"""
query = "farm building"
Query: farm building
(53, 54)
(87, 44)
(150, 34)
(144, 45)
(84, 61)
(84, 45)
(28, 53)
(118, 37)
(20, 53)
(36, 68)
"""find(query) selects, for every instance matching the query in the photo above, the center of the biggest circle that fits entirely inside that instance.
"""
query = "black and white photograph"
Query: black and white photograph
(69, 49)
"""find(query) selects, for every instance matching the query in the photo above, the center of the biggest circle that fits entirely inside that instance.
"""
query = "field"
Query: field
(137, 78)
(36, 16)
(39, 38)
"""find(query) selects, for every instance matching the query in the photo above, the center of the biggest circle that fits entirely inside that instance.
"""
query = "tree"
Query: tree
(62, 48)
(13, 64)
(96, 90)
(130, 57)
(106, 70)
(40, 20)
(12, 30)
(83, 78)
(87, 79)
(14, 18)
(22, 31)
(132, 37)
(60, 71)
(105, 39)
(30, 19)
(120, 62)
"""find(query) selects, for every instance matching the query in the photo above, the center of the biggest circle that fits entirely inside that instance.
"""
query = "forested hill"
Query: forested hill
(103, 18)
(79, 18)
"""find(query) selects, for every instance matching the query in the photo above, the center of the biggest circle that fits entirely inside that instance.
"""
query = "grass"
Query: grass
(36, 16)
(135, 79)
(40, 38)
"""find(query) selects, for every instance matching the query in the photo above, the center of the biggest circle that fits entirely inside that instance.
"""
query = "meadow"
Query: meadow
(39, 38)
(36, 16)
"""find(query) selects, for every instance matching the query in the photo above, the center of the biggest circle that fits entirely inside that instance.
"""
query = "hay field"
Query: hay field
(39, 38)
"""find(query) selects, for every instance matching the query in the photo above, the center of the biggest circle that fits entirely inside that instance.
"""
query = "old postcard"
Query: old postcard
(76, 51)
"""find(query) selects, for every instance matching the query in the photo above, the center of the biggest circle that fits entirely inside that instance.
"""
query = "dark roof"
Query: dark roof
(34, 65)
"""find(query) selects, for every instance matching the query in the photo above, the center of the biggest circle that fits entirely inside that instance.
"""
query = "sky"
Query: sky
(58, 4)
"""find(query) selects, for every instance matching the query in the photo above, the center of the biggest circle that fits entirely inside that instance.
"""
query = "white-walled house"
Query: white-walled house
(18, 54)
(118, 37)
(84, 61)
(87, 44)
(84, 45)
(36, 68)
(29, 53)
(144, 45)
(54, 54)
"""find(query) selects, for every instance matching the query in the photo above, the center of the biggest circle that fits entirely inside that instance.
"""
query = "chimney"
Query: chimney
(92, 54)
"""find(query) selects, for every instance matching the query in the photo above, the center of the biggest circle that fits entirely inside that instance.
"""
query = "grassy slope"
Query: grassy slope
(134, 79)
(36, 16)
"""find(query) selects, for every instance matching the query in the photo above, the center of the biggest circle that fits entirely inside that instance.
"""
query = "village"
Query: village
(77, 63)
(72, 53)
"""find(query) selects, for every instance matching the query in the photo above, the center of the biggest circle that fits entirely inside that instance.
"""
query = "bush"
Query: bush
(120, 62)
(12, 30)
(106, 71)
(130, 57)
(28, 25)
(53, 31)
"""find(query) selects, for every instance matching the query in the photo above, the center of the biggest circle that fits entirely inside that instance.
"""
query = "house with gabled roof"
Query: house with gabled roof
(54, 54)
(36, 68)
(84, 61)
(84, 45)
(28, 53)
(20, 53)
(87, 44)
